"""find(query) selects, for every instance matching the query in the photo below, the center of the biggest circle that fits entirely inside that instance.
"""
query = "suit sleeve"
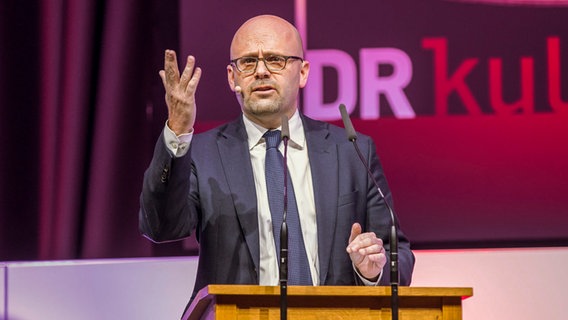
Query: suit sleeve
(166, 212)
(379, 220)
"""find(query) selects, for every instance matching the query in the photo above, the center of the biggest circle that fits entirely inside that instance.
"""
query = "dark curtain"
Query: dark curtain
(81, 106)
(19, 132)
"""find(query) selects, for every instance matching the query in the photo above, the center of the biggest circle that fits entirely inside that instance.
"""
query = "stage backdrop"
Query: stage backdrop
(467, 102)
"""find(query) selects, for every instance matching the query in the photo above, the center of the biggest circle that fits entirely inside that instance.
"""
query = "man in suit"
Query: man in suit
(215, 183)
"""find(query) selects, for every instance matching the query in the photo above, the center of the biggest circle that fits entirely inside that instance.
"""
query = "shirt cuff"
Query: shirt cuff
(178, 145)
(367, 282)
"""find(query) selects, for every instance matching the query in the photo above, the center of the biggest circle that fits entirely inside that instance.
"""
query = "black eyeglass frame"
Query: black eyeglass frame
(271, 69)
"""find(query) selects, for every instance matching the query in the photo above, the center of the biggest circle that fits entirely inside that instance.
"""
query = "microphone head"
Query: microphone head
(351, 134)
(238, 89)
(285, 132)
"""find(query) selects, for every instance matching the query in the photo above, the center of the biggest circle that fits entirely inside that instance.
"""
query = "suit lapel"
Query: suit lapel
(323, 162)
(235, 156)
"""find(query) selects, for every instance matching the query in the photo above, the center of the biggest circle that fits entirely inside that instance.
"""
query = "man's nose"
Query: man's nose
(261, 69)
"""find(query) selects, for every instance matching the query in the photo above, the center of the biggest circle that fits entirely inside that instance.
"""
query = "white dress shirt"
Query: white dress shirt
(301, 176)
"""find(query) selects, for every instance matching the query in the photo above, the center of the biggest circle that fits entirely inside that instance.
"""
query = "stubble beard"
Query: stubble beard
(263, 107)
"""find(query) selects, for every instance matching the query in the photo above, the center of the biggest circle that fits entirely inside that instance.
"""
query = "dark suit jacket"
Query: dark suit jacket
(211, 190)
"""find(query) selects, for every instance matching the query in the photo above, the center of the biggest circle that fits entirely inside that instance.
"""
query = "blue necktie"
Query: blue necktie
(298, 267)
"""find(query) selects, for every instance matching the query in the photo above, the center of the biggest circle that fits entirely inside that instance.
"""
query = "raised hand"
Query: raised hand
(180, 92)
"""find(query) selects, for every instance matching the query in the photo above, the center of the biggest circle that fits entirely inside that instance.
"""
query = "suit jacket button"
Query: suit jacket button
(164, 176)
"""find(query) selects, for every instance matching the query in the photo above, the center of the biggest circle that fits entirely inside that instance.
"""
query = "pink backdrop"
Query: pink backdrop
(466, 101)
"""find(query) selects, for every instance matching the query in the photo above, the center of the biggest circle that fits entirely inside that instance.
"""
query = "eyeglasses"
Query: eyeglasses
(273, 63)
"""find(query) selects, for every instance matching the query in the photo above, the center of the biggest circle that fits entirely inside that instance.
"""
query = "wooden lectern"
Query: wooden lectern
(250, 302)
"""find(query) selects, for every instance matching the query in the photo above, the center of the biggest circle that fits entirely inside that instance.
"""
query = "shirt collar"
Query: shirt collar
(297, 136)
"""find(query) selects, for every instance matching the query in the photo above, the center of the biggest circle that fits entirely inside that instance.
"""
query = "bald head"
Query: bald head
(264, 95)
(266, 33)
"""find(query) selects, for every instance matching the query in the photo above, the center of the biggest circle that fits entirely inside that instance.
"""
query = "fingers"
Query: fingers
(355, 231)
(162, 75)
(171, 72)
(366, 252)
(190, 76)
(194, 81)
(364, 243)
(375, 254)
(180, 92)
(171, 77)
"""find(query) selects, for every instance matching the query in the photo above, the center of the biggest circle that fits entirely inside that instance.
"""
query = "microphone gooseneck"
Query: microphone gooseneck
(393, 239)
(285, 135)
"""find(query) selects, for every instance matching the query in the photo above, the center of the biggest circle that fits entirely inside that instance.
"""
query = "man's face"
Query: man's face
(266, 93)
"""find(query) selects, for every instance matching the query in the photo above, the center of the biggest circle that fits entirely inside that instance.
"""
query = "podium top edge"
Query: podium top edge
(219, 289)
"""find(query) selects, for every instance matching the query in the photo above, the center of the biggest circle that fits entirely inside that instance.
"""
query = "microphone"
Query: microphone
(285, 136)
(393, 239)
(285, 132)
(238, 89)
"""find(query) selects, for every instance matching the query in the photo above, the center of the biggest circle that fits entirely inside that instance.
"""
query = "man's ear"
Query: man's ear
(304, 73)
(231, 77)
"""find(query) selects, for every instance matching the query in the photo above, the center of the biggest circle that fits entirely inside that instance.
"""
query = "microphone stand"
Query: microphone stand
(285, 134)
(393, 239)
